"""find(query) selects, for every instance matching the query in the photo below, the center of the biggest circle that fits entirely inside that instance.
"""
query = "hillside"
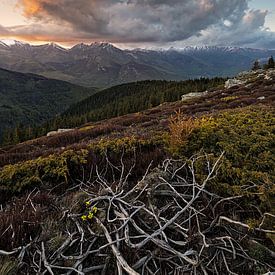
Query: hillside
(28, 99)
(131, 98)
(186, 186)
(104, 65)
(115, 101)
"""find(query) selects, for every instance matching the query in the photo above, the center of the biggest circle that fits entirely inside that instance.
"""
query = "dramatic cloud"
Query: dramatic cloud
(248, 32)
(135, 20)
(145, 21)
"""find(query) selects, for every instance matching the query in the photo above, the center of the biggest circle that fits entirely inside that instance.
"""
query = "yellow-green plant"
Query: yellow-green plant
(90, 211)
(246, 135)
(229, 98)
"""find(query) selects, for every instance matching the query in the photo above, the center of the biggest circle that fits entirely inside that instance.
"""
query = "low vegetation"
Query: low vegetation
(247, 137)
(186, 186)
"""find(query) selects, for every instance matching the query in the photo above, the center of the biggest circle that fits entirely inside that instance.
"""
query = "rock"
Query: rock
(52, 133)
(267, 77)
(192, 95)
(244, 73)
(64, 130)
(59, 131)
(261, 98)
(233, 82)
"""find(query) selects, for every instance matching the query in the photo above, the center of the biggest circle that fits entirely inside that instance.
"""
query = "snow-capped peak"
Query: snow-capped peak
(11, 42)
(80, 46)
(53, 45)
(103, 45)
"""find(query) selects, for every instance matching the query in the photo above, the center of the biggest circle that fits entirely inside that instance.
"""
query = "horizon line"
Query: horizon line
(11, 42)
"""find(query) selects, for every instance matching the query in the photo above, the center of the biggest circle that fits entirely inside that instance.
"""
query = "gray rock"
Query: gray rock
(192, 95)
(233, 82)
(59, 131)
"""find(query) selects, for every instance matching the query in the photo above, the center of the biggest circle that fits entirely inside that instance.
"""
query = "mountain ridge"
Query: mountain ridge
(102, 64)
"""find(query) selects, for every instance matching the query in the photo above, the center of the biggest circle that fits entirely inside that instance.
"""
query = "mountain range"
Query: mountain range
(104, 65)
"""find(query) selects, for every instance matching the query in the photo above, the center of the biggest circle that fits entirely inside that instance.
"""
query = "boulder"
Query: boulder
(233, 82)
(52, 133)
(192, 95)
(59, 131)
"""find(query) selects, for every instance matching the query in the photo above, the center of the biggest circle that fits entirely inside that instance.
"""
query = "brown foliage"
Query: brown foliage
(181, 127)
(20, 222)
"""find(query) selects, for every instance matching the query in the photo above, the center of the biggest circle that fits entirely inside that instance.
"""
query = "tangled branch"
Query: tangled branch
(167, 223)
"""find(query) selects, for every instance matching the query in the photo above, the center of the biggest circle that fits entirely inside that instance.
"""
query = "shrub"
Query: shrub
(180, 129)
(247, 135)
(52, 169)
(20, 222)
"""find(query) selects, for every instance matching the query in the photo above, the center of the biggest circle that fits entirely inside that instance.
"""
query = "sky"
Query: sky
(141, 23)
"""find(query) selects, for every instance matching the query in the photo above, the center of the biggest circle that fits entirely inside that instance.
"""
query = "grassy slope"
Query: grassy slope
(129, 98)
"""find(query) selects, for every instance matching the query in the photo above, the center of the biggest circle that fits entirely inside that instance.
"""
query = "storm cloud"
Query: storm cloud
(146, 21)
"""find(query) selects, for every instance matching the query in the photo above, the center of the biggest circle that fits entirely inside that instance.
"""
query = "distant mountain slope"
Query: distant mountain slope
(28, 99)
(103, 65)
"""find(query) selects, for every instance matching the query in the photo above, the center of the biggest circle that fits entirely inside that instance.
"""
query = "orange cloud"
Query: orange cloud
(32, 7)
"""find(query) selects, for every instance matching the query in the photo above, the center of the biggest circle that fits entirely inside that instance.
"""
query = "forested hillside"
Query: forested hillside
(28, 99)
(116, 101)
(133, 97)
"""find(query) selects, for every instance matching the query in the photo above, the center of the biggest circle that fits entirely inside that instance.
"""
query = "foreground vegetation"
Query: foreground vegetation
(243, 181)
(176, 187)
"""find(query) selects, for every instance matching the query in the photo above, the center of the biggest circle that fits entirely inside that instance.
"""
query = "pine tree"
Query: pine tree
(15, 136)
(256, 66)
(271, 64)
(6, 138)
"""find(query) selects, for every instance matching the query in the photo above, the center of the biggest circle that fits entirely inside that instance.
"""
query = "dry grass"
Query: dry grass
(21, 221)
(8, 266)
(180, 128)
